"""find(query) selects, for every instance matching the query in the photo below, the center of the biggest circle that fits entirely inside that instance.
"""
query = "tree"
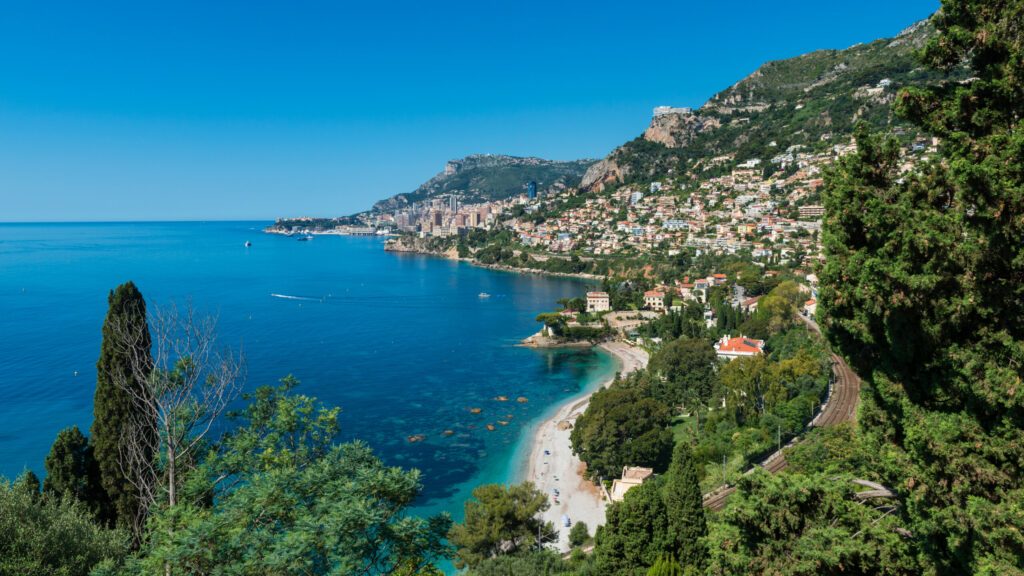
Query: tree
(27, 483)
(578, 534)
(72, 472)
(42, 535)
(684, 371)
(804, 525)
(125, 340)
(636, 532)
(186, 384)
(666, 566)
(499, 519)
(287, 499)
(526, 563)
(923, 290)
(622, 427)
(684, 505)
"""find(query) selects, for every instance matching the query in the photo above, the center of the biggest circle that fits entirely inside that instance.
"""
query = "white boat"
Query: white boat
(484, 295)
(248, 244)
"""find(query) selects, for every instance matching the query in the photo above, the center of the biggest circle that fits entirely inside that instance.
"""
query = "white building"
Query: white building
(631, 476)
(598, 302)
(654, 300)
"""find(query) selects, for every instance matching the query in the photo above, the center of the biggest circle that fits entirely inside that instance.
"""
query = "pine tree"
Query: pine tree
(687, 527)
(124, 359)
(72, 471)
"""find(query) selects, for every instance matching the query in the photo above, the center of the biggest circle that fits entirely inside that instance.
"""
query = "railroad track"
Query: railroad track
(839, 407)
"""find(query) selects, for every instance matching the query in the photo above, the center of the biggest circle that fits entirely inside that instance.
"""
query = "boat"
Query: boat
(248, 244)
(484, 295)
(305, 238)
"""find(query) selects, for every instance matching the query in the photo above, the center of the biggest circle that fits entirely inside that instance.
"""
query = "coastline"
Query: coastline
(579, 498)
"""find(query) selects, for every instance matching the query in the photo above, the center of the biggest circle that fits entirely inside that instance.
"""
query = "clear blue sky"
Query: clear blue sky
(237, 110)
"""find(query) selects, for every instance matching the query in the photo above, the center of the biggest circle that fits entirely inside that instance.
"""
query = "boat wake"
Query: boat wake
(301, 298)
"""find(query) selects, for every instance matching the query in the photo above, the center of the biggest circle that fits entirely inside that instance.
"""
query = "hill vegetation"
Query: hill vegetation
(483, 177)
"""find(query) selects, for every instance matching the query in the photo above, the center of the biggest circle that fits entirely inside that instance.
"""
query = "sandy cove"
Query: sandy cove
(579, 499)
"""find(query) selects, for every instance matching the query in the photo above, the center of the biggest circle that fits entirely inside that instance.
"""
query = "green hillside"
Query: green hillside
(482, 177)
(813, 100)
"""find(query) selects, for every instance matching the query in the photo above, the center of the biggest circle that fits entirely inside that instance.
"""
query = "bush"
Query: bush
(579, 534)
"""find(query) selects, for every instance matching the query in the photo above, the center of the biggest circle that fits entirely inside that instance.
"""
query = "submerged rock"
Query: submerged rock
(522, 399)
(491, 427)
(416, 438)
(448, 433)
(501, 398)
(475, 410)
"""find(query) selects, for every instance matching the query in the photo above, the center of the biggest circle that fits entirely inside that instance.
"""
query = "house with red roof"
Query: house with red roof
(741, 346)
(654, 299)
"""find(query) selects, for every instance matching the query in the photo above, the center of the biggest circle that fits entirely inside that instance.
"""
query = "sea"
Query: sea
(404, 344)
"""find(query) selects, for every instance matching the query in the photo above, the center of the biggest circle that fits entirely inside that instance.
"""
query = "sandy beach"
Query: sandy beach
(552, 465)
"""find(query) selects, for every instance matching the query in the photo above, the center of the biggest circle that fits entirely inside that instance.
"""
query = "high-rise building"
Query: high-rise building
(531, 190)
(453, 203)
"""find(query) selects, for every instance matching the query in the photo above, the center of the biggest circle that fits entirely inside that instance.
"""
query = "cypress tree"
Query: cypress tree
(125, 326)
(72, 471)
(684, 504)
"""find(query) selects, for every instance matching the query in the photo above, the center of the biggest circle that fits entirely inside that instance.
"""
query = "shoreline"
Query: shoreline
(579, 498)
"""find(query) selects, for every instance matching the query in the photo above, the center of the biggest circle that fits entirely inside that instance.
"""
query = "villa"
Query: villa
(631, 476)
(741, 346)
(654, 299)
(598, 302)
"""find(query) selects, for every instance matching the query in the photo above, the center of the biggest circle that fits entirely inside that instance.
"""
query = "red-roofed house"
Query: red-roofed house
(654, 300)
(738, 347)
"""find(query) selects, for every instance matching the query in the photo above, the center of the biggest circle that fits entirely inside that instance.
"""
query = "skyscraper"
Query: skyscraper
(531, 190)
(453, 203)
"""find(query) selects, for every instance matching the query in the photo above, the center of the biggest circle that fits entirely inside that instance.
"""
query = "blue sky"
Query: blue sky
(237, 110)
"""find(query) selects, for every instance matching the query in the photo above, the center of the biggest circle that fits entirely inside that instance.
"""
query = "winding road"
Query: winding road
(839, 407)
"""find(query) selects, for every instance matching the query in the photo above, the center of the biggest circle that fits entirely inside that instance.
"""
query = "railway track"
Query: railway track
(839, 407)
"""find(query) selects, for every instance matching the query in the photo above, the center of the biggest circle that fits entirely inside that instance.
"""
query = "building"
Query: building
(531, 190)
(740, 346)
(631, 476)
(453, 203)
(598, 302)
(654, 299)
(663, 110)
(812, 211)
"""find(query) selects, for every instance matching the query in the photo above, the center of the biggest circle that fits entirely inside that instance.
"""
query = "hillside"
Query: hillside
(484, 177)
(813, 100)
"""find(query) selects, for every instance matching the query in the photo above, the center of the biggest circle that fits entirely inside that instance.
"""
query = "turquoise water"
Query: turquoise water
(402, 343)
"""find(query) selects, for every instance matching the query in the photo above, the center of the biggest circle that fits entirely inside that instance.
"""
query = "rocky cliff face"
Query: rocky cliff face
(676, 130)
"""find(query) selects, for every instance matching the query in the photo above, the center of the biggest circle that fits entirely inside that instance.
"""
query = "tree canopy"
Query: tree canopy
(924, 291)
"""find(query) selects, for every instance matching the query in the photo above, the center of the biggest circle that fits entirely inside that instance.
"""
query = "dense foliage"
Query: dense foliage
(72, 472)
(288, 499)
(621, 427)
(499, 519)
(924, 291)
(47, 535)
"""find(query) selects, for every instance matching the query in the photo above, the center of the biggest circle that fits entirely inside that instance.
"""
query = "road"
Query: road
(839, 407)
